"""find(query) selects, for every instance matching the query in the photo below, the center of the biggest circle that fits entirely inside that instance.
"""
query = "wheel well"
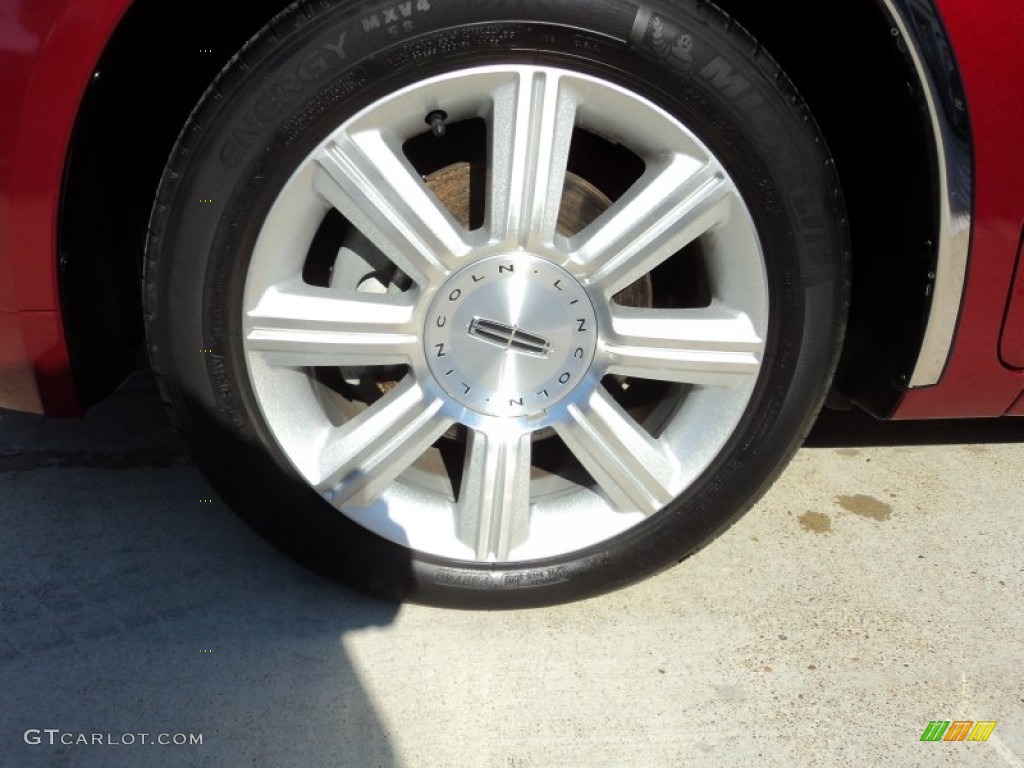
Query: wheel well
(859, 82)
(154, 70)
(862, 88)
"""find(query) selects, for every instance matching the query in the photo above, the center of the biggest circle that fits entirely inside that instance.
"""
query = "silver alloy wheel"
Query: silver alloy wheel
(510, 329)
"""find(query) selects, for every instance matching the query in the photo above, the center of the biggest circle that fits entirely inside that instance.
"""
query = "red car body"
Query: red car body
(49, 53)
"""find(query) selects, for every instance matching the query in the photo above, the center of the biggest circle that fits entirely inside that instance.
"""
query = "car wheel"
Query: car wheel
(496, 304)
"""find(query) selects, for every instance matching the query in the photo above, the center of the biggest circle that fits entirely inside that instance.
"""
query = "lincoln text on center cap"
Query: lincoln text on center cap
(510, 335)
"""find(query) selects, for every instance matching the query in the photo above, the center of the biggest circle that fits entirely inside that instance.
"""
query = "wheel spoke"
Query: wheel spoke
(380, 193)
(361, 457)
(531, 131)
(669, 207)
(716, 346)
(300, 325)
(633, 469)
(494, 502)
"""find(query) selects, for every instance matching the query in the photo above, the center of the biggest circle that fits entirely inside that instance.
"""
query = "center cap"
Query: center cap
(510, 335)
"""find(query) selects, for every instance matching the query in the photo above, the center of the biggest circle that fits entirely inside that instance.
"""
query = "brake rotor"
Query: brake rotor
(581, 204)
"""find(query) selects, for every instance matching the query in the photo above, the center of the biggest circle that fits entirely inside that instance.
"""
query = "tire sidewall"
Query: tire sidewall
(312, 71)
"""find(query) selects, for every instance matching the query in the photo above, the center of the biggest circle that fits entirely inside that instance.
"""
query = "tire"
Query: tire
(496, 304)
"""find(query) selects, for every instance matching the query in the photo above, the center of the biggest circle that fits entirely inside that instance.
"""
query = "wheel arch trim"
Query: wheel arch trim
(919, 24)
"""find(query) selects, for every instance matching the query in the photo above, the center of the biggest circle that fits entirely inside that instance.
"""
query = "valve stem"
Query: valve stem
(436, 120)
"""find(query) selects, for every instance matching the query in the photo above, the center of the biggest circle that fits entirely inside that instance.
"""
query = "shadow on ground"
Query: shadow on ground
(133, 602)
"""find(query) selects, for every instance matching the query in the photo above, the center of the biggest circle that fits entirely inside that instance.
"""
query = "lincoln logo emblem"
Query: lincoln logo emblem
(509, 337)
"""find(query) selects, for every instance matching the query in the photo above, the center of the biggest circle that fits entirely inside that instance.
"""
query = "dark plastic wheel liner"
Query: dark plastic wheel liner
(496, 305)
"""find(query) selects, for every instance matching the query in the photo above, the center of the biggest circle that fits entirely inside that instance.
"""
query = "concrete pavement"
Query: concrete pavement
(877, 587)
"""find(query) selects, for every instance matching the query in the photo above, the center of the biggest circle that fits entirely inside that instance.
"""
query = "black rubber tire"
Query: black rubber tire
(318, 63)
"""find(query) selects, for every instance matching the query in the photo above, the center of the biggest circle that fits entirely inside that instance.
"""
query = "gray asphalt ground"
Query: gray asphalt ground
(877, 587)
